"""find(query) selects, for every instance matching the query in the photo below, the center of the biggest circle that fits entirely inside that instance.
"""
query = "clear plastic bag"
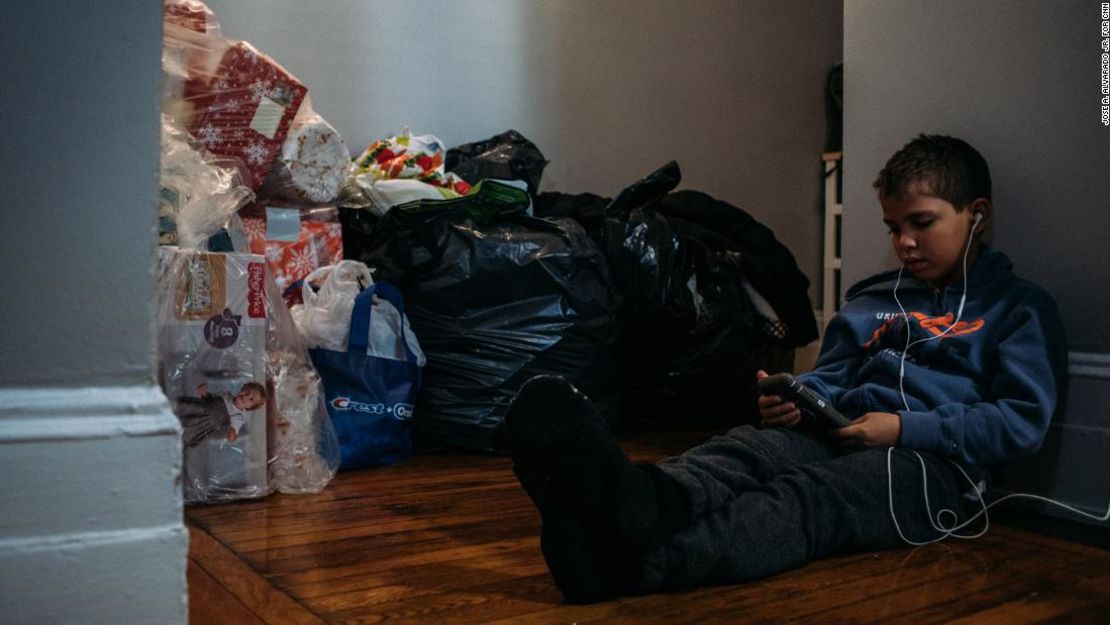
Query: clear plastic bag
(329, 293)
(199, 192)
(303, 449)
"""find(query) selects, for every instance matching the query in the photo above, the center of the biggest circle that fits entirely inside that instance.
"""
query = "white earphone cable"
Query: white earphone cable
(949, 531)
(906, 316)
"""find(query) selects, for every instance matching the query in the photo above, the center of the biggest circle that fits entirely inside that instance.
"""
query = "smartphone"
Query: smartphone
(790, 389)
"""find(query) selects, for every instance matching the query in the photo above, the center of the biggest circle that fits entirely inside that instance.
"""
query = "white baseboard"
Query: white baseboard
(90, 480)
(60, 414)
(1089, 365)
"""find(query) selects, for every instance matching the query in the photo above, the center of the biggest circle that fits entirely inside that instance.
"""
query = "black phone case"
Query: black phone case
(787, 386)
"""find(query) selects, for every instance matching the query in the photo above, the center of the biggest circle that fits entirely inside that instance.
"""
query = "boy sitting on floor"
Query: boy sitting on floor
(978, 391)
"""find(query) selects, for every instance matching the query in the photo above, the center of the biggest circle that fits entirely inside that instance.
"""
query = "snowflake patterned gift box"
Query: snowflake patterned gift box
(247, 110)
(295, 241)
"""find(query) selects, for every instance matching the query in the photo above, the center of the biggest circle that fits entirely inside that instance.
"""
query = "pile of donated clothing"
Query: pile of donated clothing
(657, 303)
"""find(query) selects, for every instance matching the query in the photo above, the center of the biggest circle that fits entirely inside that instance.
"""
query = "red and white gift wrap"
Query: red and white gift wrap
(191, 14)
(247, 110)
(319, 244)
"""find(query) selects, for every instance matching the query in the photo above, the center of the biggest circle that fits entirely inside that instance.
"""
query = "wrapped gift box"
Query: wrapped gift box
(247, 110)
(295, 241)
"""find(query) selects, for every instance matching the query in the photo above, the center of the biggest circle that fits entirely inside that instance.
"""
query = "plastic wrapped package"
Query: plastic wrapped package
(240, 380)
(248, 109)
(186, 56)
(304, 452)
(191, 14)
(496, 297)
(177, 60)
(296, 240)
(212, 368)
(199, 193)
(507, 156)
(237, 102)
(313, 162)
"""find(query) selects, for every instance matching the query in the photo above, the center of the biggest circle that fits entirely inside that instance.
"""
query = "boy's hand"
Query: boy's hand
(874, 429)
(775, 412)
(232, 435)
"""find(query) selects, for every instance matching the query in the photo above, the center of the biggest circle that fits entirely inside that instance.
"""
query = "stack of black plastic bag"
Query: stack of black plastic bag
(655, 304)
(496, 297)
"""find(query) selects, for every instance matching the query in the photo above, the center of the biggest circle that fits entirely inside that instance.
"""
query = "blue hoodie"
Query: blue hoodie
(983, 393)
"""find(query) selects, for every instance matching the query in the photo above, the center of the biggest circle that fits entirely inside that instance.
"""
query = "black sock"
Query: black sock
(600, 512)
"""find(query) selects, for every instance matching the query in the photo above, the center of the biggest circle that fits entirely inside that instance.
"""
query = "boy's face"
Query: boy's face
(929, 236)
(249, 399)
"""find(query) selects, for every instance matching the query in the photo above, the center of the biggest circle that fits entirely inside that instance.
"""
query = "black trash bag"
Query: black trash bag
(495, 296)
(507, 156)
(767, 264)
(585, 208)
(688, 324)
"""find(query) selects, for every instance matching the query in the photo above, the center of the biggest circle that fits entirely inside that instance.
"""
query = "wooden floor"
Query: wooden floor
(453, 539)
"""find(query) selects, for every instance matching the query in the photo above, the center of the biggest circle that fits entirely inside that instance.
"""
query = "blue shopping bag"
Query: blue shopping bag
(370, 399)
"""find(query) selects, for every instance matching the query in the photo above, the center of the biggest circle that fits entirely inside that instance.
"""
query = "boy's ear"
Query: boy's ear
(981, 206)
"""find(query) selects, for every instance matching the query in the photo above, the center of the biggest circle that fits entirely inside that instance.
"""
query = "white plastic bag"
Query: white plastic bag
(324, 320)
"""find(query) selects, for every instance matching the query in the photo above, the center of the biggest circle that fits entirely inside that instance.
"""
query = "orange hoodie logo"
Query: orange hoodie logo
(937, 326)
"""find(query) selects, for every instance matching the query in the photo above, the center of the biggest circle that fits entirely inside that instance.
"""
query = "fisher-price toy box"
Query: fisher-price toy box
(212, 341)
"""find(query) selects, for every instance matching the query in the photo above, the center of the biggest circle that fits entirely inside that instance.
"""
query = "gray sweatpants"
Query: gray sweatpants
(764, 501)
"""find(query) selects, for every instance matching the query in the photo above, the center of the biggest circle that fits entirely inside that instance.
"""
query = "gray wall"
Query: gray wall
(80, 145)
(1020, 81)
(91, 528)
(609, 90)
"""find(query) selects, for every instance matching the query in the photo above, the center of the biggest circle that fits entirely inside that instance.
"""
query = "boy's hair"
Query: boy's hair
(944, 166)
(254, 386)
